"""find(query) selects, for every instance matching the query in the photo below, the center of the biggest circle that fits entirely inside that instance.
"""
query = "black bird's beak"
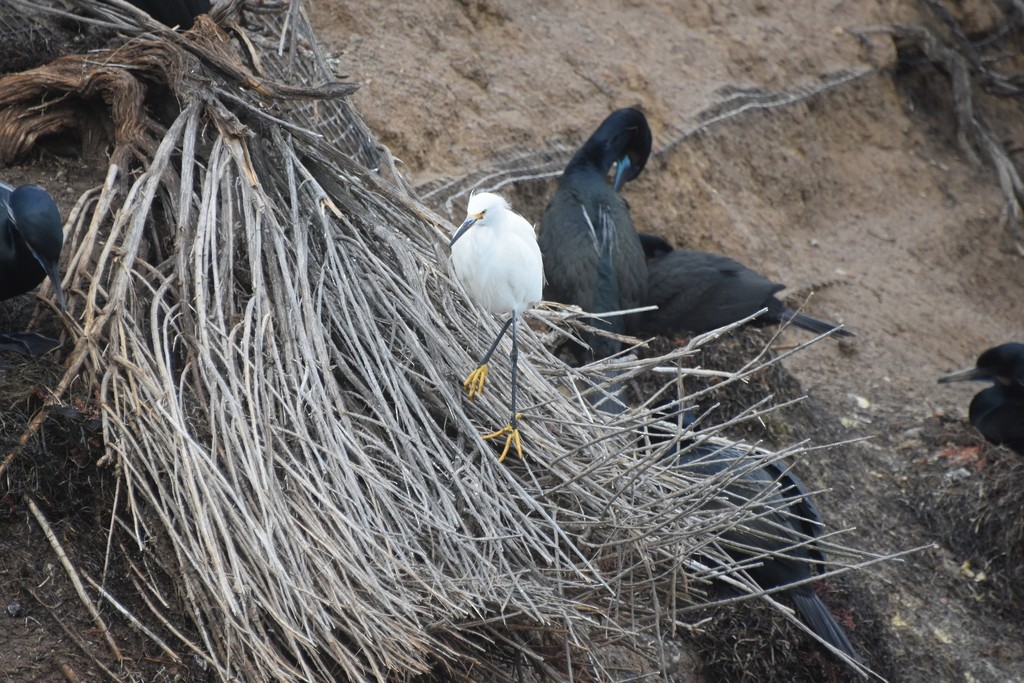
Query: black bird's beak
(621, 169)
(466, 225)
(53, 272)
(965, 375)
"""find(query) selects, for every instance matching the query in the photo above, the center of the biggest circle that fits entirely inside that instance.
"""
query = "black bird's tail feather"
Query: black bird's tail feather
(810, 324)
(820, 620)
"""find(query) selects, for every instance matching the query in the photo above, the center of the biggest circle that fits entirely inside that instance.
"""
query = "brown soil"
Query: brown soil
(861, 193)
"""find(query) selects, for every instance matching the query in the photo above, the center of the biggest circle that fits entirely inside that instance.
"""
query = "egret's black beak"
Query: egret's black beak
(466, 225)
(968, 374)
(621, 169)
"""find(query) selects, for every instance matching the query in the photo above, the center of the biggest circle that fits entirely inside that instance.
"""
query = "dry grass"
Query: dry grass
(971, 494)
(269, 325)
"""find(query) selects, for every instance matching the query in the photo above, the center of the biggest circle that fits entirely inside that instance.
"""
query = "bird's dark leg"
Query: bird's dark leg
(512, 429)
(474, 384)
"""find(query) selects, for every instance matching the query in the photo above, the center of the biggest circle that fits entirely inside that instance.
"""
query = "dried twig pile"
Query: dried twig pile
(270, 327)
(971, 494)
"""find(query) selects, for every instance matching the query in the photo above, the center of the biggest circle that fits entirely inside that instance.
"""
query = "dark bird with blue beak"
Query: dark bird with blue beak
(31, 238)
(592, 255)
(998, 412)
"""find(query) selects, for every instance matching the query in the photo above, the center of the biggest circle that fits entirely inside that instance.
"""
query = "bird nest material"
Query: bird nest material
(269, 328)
(971, 494)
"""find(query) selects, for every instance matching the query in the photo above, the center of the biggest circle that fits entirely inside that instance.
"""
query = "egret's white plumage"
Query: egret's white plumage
(497, 259)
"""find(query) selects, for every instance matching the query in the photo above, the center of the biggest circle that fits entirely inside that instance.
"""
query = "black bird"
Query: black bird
(31, 237)
(696, 292)
(180, 13)
(998, 412)
(592, 255)
(770, 537)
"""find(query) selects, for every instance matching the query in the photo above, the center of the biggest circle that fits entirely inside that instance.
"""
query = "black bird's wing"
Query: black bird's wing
(998, 413)
(607, 289)
(569, 249)
(819, 619)
(18, 269)
(592, 255)
(696, 292)
(786, 513)
(628, 258)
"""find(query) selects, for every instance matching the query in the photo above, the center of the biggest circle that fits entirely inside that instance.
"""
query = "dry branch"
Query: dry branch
(516, 167)
(76, 581)
(86, 649)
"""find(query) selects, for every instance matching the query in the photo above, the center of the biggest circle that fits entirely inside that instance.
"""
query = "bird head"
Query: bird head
(484, 209)
(1003, 364)
(36, 218)
(623, 139)
(631, 144)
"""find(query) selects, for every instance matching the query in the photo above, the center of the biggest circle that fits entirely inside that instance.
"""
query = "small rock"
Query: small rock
(956, 475)
(913, 433)
(14, 608)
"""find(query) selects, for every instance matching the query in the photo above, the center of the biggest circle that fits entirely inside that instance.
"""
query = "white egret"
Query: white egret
(496, 257)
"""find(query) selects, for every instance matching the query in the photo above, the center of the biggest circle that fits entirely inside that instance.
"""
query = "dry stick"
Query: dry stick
(535, 166)
(33, 425)
(133, 619)
(73, 575)
(142, 590)
(82, 645)
(69, 673)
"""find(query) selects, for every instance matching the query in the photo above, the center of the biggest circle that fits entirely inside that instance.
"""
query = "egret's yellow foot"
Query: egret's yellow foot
(512, 430)
(474, 384)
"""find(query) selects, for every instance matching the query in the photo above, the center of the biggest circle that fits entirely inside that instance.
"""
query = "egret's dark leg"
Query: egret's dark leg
(515, 369)
(474, 384)
(512, 429)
